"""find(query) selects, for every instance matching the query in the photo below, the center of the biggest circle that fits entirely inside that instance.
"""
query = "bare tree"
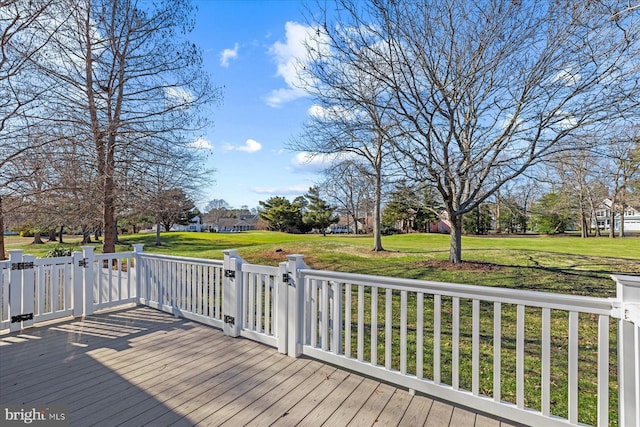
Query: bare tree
(165, 179)
(127, 78)
(350, 189)
(578, 174)
(22, 90)
(620, 169)
(352, 119)
(485, 90)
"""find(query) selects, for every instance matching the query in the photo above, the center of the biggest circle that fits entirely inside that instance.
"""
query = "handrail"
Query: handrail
(181, 259)
(508, 296)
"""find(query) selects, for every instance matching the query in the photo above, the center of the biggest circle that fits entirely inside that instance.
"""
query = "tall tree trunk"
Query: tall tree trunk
(60, 236)
(455, 250)
(584, 231)
(86, 235)
(158, 233)
(612, 218)
(377, 217)
(2, 256)
(109, 241)
(52, 235)
(37, 238)
(498, 225)
(621, 228)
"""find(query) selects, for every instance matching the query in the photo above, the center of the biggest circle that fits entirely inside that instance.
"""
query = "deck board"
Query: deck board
(138, 366)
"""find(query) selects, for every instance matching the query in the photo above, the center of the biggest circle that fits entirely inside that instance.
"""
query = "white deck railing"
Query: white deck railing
(520, 355)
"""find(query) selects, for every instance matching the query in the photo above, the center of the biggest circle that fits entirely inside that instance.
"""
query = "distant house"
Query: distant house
(194, 225)
(603, 218)
(346, 226)
(443, 225)
(232, 225)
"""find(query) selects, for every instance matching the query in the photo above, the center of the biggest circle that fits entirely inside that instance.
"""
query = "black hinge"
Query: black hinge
(230, 273)
(21, 317)
(21, 265)
(230, 320)
(83, 263)
(285, 277)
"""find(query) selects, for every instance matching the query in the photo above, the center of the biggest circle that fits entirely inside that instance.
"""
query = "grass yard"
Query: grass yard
(554, 264)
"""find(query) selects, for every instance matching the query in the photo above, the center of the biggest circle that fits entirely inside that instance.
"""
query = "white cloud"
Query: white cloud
(250, 146)
(201, 144)
(313, 163)
(290, 58)
(292, 190)
(228, 54)
(178, 95)
(332, 113)
(567, 77)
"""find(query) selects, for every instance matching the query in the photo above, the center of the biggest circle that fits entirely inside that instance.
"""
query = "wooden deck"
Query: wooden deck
(139, 366)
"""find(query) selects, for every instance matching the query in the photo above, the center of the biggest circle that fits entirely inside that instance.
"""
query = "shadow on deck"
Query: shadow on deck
(139, 366)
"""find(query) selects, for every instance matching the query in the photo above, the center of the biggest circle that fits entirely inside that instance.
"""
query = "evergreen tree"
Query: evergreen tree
(280, 214)
(318, 214)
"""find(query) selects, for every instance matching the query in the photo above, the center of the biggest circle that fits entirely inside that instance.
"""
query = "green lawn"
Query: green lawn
(556, 264)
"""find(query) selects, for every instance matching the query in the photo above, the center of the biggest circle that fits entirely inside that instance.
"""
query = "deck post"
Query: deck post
(15, 289)
(89, 279)
(628, 293)
(232, 293)
(136, 273)
(281, 306)
(78, 282)
(28, 289)
(295, 309)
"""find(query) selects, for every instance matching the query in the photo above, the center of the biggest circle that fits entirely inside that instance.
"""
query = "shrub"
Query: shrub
(58, 251)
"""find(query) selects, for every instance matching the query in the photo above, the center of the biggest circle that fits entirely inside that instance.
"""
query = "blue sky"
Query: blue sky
(250, 47)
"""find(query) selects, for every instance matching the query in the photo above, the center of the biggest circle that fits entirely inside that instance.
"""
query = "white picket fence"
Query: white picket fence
(520, 355)
(41, 289)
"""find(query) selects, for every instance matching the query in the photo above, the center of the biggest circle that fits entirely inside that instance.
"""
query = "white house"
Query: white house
(194, 225)
(231, 225)
(603, 218)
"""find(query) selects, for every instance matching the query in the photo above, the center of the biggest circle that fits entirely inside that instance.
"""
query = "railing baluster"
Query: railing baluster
(573, 367)
(374, 325)
(324, 337)
(419, 334)
(337, 318)
(314, 313)
(403, 332)
(347, 320)
(437, 324)
(268, 280)
(54, 288)
(455, 344)
(497, 351)
(110, 287)
(360, 323)
(68, 287)
(603, 371)
(475, 348)
(259, 284)
(520, 357)
(40, 290)
(388, 328)
(201, 300)
(119, 266)
(252, 301)
(546, 362)
(218, 283)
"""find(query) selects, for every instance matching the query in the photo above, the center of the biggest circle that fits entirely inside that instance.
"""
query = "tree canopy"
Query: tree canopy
(477, 93)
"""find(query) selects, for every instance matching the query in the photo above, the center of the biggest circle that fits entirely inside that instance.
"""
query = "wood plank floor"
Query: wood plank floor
(138, 366)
